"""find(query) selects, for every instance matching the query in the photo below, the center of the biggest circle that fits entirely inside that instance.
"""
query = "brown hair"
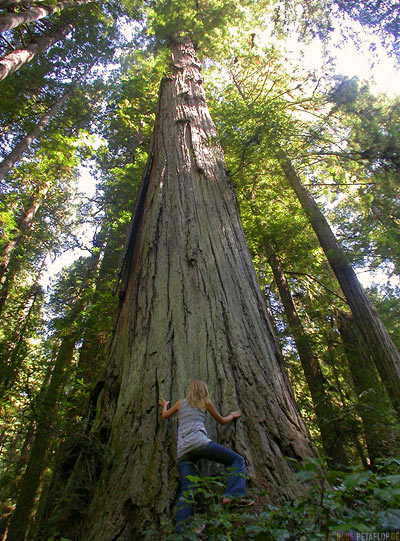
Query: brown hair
(198, 394)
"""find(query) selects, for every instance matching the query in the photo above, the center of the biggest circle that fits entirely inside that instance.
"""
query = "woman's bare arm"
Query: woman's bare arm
(165, 412)
(222, 420)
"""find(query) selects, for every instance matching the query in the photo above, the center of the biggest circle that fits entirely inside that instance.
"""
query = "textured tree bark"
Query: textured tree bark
(375, 336)
(191, 307)
(13, 20)
(11, 62)
(9, 3)
(330, 428)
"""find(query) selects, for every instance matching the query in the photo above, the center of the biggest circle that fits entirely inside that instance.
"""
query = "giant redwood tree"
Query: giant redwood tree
(190, 308)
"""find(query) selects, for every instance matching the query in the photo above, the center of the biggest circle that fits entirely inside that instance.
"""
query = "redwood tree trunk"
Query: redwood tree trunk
(12, 359)
(191, 307)
(22, 146)
(24, 224)
(331, 430)
(9, 3)
(11, 62)
(376, 337)
(373, 404)
(31, 481)
(13, 20)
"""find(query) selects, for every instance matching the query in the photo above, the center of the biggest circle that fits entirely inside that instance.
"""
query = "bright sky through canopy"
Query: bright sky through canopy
(376, 67)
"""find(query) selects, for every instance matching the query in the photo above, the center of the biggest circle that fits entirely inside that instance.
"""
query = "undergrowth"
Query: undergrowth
(357, 505)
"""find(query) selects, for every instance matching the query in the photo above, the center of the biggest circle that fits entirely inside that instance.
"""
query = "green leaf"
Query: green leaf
(253, 528)
(306, 475)
(280, 534)
(194, 478)
(357, 478)
(387, 494)
(390, 519)
(191, 535)
(350, 525)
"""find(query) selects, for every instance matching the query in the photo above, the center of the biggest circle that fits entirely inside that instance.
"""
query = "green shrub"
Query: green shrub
(337, 506)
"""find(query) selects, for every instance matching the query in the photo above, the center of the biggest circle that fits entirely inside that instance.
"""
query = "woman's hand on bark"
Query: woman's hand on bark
(163, 403)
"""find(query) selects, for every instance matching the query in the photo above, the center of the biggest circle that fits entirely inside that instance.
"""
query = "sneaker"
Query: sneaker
(241, 502)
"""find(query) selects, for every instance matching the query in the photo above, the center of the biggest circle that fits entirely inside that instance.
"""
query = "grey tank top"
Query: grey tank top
(191, 430)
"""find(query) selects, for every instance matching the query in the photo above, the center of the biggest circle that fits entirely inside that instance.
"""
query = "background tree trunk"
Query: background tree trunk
(373, 404)
(376, 337)
(24, 224)
(191, 307)
(13, 20)
(9, 3)
(22, 146)
(327, 417)
(11, 361)
(11, 62)
(31, 480)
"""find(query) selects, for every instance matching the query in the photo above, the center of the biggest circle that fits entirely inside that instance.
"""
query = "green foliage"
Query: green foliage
(361, 188)
(386, 301)
(382, 17)
(205, 21)
(321, 17)
(358, 501)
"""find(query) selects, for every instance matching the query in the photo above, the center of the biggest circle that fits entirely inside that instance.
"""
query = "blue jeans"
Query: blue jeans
(235, 486)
